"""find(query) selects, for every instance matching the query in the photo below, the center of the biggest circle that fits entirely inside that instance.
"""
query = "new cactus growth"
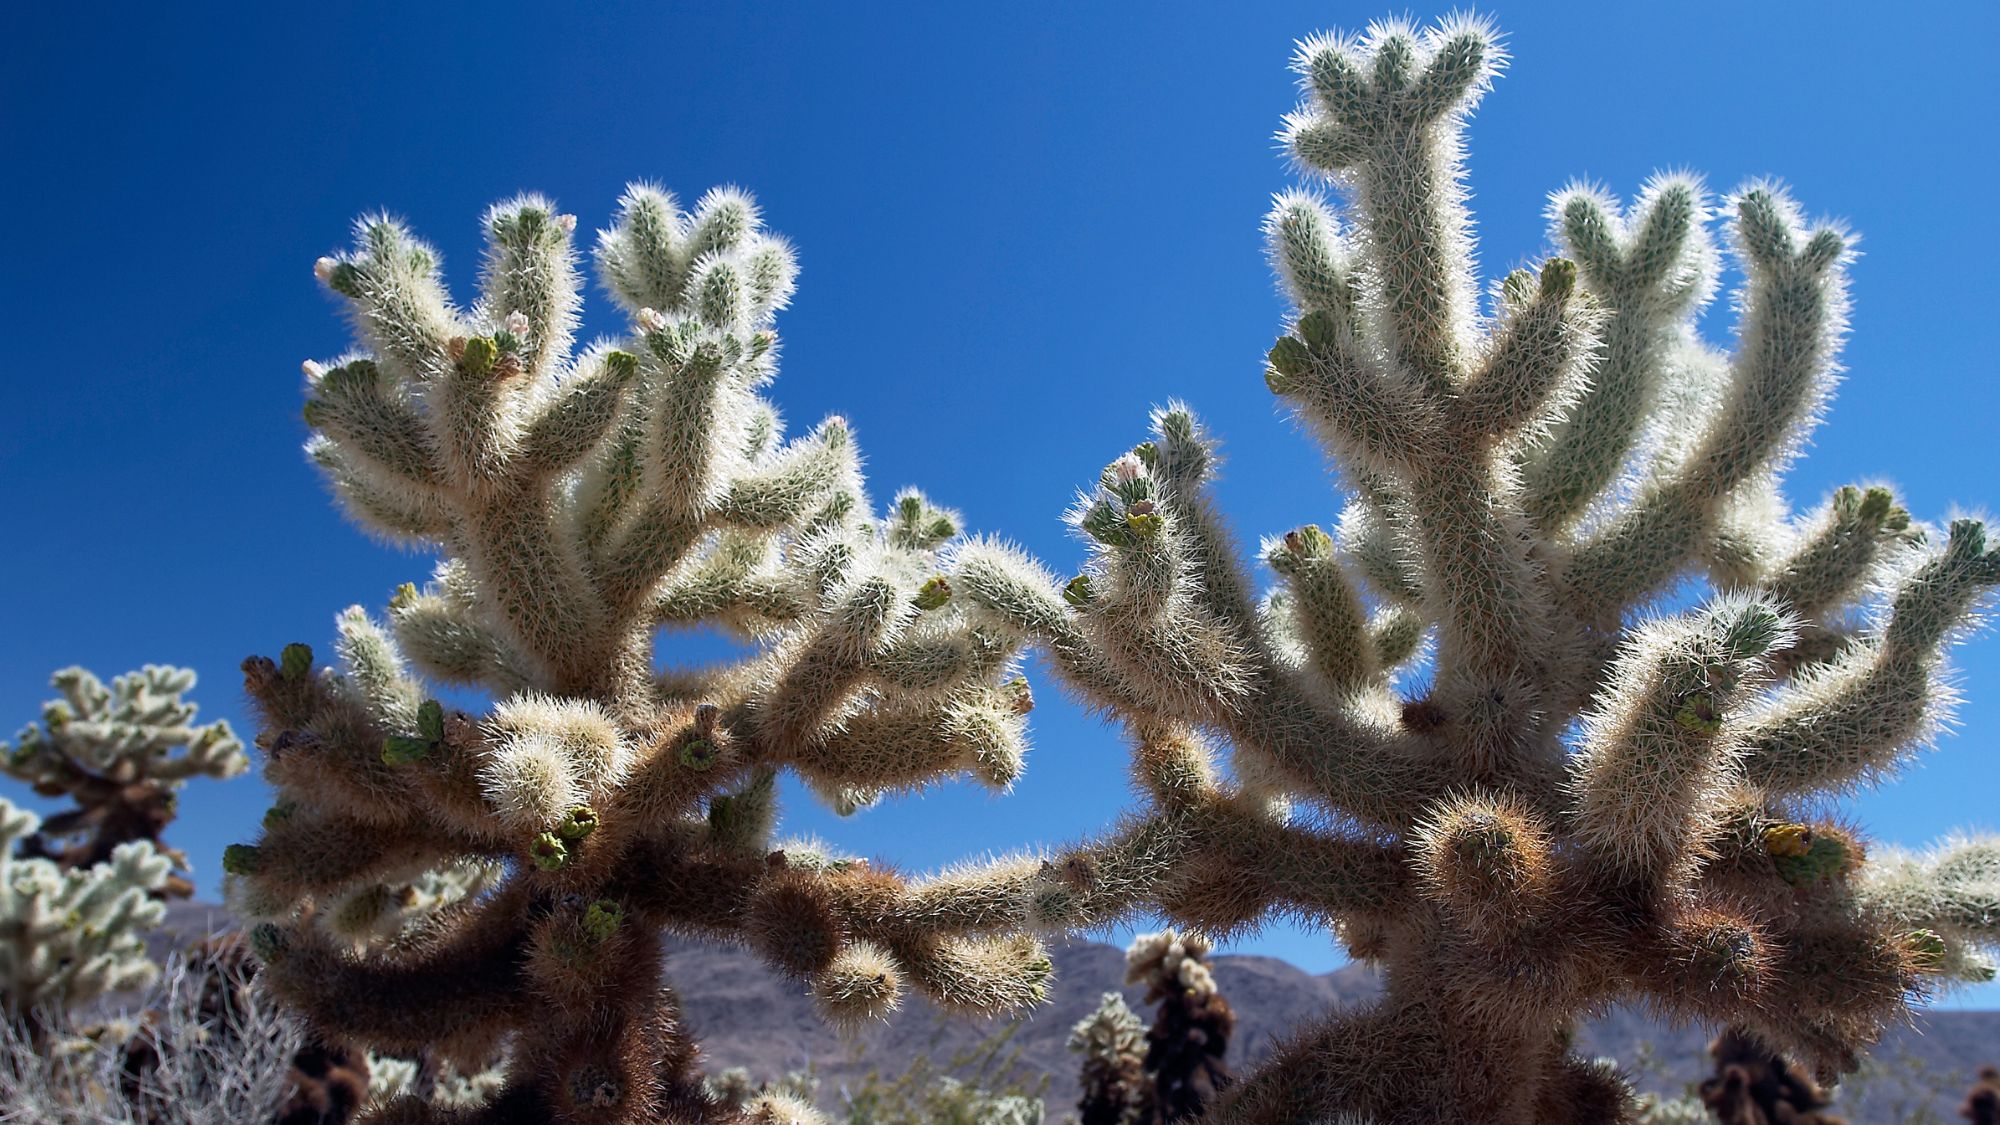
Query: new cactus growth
(582, 499)
(122, 752)
(1590, 797)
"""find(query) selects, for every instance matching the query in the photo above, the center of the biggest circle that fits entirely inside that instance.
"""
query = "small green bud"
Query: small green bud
(934, 593)
(522, 225)
(345, 279)
(1825, 249)
(1875, 506)
(1290, 359)
(1824, 857)
(401, 750)
(404, 597)
(241, 859)
(279, 813)
(621, 365)
(295, 662)
(1147, 452)
(1968, 538)
(1321, 331)
(314, 412)
(430, 720)
(1103, 523)
(507, 342)
(1308, 542)
(1514, 287)
(1927, 950)
(480, 354)
(1698, 714)
(697, 753)
(601, 919)
(1752, 632)
(1145, 524)
(1077, 591)
(549, 852)
(581, 822)
(1558, 279)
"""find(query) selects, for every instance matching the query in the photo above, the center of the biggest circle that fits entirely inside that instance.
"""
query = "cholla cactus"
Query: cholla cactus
(1190, 1032)
(1112, 1041)
(70, 936)
(1954, 892)
(583, 500)
(1653, 1109)
(1982, 1102)
(1753, 1085)
(1587, 799)
(122, 754)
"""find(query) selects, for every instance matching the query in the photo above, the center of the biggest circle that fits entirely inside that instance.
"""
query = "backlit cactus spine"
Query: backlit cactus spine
(1589, 799)
(582, 500)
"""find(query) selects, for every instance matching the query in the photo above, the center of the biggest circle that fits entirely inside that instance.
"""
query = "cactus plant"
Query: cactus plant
(122, 752)
(1752, 1085)
(1133, 1075)
(1112, 1041)
(1584, 794)
(70, 936)
(582, 500)
(1190, 1032)
(1982, 1102)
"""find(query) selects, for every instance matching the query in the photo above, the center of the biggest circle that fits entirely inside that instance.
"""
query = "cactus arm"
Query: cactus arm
(1859, 715)
(1794, 314)
(1652, 269)
(1660, 747)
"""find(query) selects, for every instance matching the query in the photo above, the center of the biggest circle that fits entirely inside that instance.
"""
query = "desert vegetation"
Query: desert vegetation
(1548, 718)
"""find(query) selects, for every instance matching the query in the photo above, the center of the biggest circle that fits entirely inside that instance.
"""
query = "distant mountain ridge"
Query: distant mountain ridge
(746, 1015)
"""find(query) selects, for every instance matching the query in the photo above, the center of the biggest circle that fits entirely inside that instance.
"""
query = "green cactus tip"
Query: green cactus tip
(601, 919)
(581, 822)
(241, 859)
(549, 852)
(295, 662)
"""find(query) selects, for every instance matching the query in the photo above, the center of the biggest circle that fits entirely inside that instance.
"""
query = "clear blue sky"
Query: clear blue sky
(1020, 228)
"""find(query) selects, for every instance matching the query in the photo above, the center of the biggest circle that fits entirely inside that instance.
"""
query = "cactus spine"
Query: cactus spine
(582, 499)
(1591, 798)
